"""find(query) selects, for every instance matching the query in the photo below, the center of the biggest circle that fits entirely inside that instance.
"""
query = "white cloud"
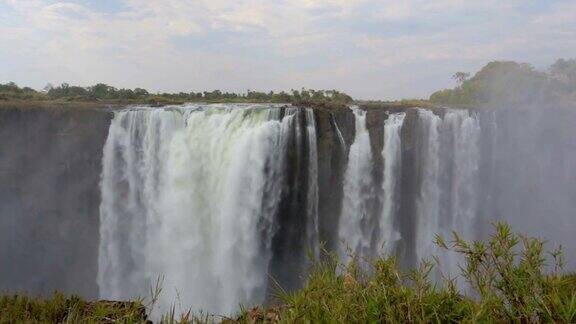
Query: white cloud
(353, 45)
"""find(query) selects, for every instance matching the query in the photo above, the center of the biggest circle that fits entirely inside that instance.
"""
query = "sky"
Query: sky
(370, 49)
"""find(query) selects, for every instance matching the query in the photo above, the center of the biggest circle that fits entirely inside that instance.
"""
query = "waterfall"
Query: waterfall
(215, 199)
(392, 157)
(364, 230)
(190, 195)
(464, 133)
(465, 130)
(354, 228)
(448, 154)
(428, 200)
(134, 155)
(341, 141)
(312, 199)
(221, 202)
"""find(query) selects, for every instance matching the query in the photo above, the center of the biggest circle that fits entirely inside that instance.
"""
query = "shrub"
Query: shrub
(507, 277)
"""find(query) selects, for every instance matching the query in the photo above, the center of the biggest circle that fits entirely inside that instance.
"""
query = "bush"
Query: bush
(507, 275)
(11, 91)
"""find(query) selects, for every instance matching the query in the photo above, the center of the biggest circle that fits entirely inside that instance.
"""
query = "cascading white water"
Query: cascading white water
(358, 220)
(134, 155)
(312, 199)
(339, 134)
(428, 201)
(464, 130)
(447, 201)
(392, 157)
(353, 230)
(189, 195)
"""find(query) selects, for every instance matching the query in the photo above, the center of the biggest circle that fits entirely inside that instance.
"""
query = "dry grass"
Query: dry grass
(62, 309)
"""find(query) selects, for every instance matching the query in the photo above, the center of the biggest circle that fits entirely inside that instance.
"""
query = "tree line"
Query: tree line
(104, 92)
(498, 82)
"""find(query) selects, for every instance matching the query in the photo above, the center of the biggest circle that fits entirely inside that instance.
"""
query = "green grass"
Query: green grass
(62, 309)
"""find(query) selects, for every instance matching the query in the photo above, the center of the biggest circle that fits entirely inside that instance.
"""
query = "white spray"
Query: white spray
(392, 157)
(358, 189)
(189, 195)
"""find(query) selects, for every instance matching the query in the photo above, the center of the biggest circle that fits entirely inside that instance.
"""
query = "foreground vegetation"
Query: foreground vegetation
(509, 278)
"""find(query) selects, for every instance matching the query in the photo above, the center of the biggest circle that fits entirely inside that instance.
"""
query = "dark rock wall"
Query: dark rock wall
(332, 158)
(289, 248)
(50, 162)
(332, 165)
(289, 242)
(409, 185)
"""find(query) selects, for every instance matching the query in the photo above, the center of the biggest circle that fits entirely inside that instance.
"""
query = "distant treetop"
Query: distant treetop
(508, 82)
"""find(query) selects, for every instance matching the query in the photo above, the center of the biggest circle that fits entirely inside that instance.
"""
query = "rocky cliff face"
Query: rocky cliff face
(333, 158)
(50, 162)
(50, 166)
(463, 169)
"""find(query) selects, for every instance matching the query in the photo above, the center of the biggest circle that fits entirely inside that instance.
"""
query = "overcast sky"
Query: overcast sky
(371, 49)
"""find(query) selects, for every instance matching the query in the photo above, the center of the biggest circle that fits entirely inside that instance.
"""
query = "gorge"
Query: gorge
(224, 202)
